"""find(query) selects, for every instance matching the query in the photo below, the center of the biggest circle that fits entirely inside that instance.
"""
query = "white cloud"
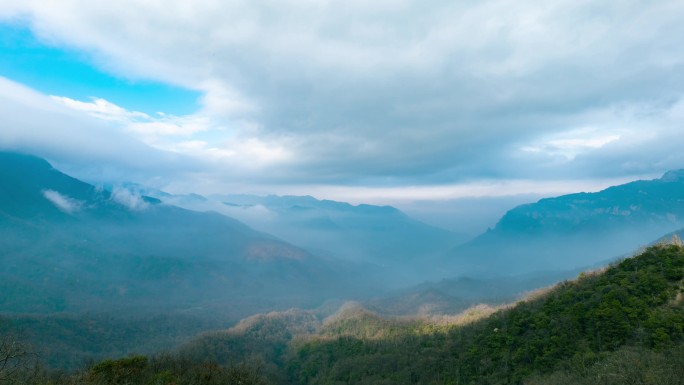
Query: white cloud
(143, 125)
(94, 149)
(222, 100)
(129, 199)
(102, 109)
(63, 202)
(484, 188)
(579, 143)
(570, 144)
(32, 120)
(236, 146)
(245, 153)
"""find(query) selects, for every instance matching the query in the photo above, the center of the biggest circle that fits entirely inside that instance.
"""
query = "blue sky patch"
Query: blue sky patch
(64, 72)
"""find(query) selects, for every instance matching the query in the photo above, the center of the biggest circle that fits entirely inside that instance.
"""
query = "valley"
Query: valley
(593, 327)
(321, 192)
(92, 274)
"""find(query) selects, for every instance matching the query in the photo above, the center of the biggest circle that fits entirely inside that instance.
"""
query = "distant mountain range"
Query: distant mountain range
(67, 245)
(78, 259)
(576, 230)
(379, 235)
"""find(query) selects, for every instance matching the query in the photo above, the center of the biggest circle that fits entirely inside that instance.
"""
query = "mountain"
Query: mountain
(624, 324)
(453, 295)
(381, 235)
(576, 230)
(591, 326)
(401, 248)
(70, 246)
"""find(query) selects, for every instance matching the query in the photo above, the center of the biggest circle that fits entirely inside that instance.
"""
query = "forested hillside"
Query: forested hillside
(628, 318)
(636, 303)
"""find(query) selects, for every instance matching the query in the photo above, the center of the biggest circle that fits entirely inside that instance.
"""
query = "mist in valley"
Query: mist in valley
(80, 261)
(341, 192)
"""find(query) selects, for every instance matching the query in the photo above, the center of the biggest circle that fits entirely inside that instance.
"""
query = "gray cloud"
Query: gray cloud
(403, 92)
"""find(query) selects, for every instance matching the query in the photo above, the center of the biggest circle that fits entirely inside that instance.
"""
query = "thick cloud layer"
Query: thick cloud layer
(36, 124)
(394, 93)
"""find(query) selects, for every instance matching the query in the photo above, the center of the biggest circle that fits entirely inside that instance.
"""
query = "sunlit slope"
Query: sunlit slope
(636, 303)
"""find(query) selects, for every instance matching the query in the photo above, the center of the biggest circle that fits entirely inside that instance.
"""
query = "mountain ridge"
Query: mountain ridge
(88, 248)
(576, 230)
(383, 236)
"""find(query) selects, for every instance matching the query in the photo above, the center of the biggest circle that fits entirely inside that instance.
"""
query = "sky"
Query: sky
(365, 101)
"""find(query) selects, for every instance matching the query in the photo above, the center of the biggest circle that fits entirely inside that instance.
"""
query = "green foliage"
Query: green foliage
(635, 302)
(603, 328)
(260, 340)
(141, 370)
(96, 337)
(122, 371)
(628, 365)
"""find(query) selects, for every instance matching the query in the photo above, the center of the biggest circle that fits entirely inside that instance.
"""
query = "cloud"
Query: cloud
(138, 123)
(399, 195)
(129, 199)
(627, 140)
(572, 143)
(102, 109)
(91, 148)
(63, 202)
(162, 131)
(393, 93)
